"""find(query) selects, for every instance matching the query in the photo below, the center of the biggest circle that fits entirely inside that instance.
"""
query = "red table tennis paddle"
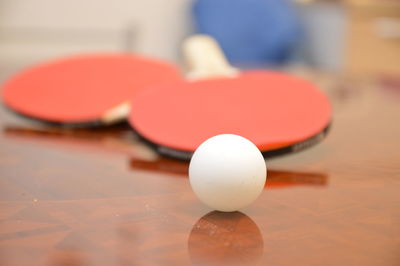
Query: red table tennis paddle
(279, 113)
(84, 90)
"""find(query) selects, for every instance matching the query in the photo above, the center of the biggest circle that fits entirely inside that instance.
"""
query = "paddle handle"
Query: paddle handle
(116, 114)
(205, 59)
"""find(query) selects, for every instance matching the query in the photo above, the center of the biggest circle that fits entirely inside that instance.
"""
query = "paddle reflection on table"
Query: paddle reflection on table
(120, 139)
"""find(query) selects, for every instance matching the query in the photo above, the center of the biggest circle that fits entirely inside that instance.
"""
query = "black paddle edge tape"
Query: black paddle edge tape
(87, 124)
(187, 155)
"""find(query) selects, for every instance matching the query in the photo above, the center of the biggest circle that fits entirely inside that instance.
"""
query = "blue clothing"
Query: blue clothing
(255, 32)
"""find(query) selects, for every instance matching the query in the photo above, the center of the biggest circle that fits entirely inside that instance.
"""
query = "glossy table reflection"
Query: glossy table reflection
(86, 197)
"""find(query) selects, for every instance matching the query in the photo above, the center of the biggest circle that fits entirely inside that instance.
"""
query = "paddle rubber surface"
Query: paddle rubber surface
(80, 89)
(272, 110)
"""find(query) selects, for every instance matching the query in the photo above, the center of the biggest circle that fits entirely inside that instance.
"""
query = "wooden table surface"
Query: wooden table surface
(81, 197)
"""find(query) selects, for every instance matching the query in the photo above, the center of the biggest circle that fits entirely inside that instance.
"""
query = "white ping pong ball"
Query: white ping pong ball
(227, 172)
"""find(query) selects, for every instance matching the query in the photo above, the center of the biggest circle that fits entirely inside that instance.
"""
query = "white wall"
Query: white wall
(32, 30)
(324, 28)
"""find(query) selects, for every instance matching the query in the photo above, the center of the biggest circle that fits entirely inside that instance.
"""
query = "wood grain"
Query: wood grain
(86, 197)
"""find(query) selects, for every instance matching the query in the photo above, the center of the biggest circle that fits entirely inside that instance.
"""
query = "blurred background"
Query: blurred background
(352, 36)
